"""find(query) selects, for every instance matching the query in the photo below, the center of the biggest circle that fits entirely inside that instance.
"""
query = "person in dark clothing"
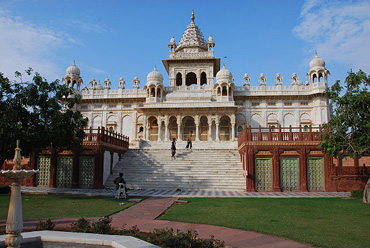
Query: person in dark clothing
(189, 145)
(119, 180)
(173, 149)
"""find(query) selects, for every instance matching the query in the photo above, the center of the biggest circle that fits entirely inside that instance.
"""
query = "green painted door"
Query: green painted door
(263, 174)
(64, 171)
(86, 177)
(315, 174)
(289, 174)
(43, 176)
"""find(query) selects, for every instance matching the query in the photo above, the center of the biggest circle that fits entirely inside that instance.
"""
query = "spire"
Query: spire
(74, 62)
(192, 36)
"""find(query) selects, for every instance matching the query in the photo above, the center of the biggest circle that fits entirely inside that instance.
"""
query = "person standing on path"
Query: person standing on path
(173, 149)
(189, 145)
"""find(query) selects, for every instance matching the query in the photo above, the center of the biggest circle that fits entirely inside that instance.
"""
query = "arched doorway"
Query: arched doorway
(173, 127)
(191, 78)
(153, 128)
(203, 128)
(225, 128)
(188, 126)
(203, 78)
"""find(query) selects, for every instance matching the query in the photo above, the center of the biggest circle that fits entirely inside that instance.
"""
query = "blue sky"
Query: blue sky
(127, 38)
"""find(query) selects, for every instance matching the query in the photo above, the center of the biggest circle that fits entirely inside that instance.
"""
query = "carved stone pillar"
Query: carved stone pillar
(197, 128)
(232, 131)
(166, 138)
(217, 131)
(159, 130)
(179, 128)
(210, 131)
(145, 129)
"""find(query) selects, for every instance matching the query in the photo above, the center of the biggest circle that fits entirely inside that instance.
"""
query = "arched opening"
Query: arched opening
(73, 84)
(158, 93)
(225, 128)
(140, 126)
(68, 82)
(173, 127)
(305, 128)
(178, 79)
(203, 78)
(203, 128)
(224, 91)
(141, 129)
(152, 92)
(218, 91)
(153, 128)
(314, 78)
(189, 126)
(191, 78)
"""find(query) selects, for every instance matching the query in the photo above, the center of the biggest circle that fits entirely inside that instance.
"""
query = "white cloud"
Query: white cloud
(338, 30)
(24, 45)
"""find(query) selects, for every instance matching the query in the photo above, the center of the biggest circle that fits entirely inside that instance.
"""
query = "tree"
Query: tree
(39, 114)
(348, 131)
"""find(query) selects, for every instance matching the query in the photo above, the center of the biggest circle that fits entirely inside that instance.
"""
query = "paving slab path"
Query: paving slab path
(144, 214)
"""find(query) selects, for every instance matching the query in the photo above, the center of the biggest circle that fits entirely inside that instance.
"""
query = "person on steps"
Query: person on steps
(173, 149)
(189, 145)
(119, 180)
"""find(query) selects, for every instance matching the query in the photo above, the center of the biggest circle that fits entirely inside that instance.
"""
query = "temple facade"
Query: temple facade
(201, 98)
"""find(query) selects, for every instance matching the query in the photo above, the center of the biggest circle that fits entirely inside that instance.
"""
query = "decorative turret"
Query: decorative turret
(262, 79)
(107, 83)
(247, 80)
(278, 79)
(192, 36)
(172, 45)
(136, 82)
(210, 43)
(224, 85)
(121, 83)
(72, 76)
(154, 86)
(295, 80)
(317, 72)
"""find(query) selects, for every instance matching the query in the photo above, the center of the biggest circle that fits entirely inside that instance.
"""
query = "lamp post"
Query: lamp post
(14, 222)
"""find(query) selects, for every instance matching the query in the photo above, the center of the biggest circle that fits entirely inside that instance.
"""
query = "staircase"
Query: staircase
(198, 169)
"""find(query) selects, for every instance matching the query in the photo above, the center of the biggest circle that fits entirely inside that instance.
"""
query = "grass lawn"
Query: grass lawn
(58, 206)
(322, 222)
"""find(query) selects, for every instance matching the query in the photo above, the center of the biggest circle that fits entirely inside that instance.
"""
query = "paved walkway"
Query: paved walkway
(183, 193)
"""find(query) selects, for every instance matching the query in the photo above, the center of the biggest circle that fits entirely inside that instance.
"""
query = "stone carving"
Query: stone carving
(93, 84)
(121, 83)
(295, 80)
(246, 79)
(262, 79)
(136, 82)
(278, 79)
(107, 83)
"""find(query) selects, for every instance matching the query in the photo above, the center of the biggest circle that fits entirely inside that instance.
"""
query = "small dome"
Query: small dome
(73, 70)
(154, 76)
(317, 62)
(224, 74)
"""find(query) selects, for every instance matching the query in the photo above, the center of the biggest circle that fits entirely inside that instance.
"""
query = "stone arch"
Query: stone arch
(112, 123)
(203, 128)
(188, 125)
(191, 78)
(173, 127)
(127, 128)
(140, 126)
(225, 128)
(240, 123)
(178, 79)
(305, 118)
(314, 78)
(153, 128)
(224, 90)
(152, 91)
(256, 121)
(97, 121)
(288, 121)
(203, 78)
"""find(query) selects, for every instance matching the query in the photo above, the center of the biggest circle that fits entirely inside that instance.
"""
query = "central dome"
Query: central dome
(154, 76)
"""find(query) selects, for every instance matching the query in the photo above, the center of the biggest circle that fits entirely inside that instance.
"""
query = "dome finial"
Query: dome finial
(74, 62)
(155, 67)
(192, 16)
(316, 54)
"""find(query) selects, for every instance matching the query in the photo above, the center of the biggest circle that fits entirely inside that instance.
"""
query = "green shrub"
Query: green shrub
(176, 239)
(45, 225)
(358, 194)
(4, 189)
(102, 226)
(81, 225)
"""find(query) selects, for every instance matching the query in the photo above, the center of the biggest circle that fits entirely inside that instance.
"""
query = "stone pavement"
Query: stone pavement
(183, 193)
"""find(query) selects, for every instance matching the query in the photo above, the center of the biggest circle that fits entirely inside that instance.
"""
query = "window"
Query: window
(126, 105)
(271, 103)
(98, 106)
(255, 104)
(288, 103)
(304, 103)
(112, 106)
(84, 107)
